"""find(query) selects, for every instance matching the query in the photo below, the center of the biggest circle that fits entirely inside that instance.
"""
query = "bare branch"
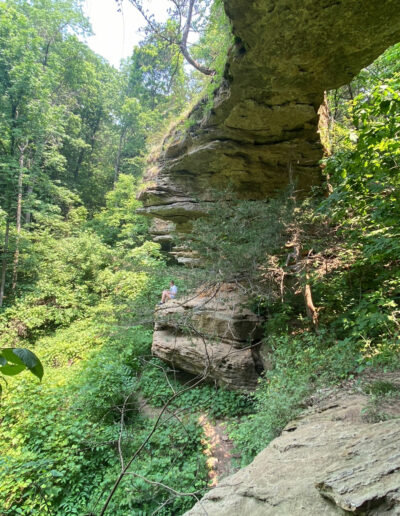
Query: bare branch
(121, 430)
(168, 488)
(149, 436)
(181, 39)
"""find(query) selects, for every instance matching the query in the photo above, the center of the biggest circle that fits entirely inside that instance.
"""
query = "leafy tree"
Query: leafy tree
(185, 17)
(118, 223)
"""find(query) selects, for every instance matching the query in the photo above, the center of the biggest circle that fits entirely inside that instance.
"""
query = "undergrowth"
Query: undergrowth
(354, 275)
(158, 384)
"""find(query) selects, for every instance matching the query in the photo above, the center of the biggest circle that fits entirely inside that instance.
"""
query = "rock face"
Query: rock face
(212, 334)
(329, 462)
(161, 232)
(262, 130)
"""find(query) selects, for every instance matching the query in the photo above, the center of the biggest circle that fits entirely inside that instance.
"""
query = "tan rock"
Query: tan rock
(219, 361)
(328, 462)
(210, 333)
(262, 130)
(366, 475)
(162, 233)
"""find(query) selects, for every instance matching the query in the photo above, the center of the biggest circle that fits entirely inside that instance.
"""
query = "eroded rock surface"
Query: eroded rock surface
(210, 333)
(262, 130)
(162, 233)
(329, 462)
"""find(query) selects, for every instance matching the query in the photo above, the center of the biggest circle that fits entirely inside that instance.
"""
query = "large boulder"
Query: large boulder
(328, 462)
(210, 333)
(262, 131)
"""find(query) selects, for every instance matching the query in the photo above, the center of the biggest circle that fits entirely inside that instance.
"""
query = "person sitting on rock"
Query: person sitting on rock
(169, 294)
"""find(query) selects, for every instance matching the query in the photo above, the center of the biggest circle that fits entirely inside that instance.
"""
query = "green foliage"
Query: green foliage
(53, 436)
(381, 388)
(365, 203)
(212, 48)
(302, 363)
(156, 73)
(157, 384)
(64, 431)
(359, 295)
(232, 239)
(64, 285)
(78, 309)
(74, 136)
(382, 394)
(174, 457)
(15, 360)
(342, 132)
(118, 222)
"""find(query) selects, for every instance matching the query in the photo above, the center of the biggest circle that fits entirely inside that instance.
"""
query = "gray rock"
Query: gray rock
(328, 462)
(366, 476)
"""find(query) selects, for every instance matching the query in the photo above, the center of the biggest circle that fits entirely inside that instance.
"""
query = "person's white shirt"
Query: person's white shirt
(173, 290)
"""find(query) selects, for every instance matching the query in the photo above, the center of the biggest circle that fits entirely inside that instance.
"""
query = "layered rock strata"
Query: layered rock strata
(261, 133)
(329, 462)
(210, 333)
(162, 233)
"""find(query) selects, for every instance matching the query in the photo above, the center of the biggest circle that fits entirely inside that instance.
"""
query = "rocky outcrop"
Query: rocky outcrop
(262, 130)
(210, 333)
(329, 462)
(162, 233)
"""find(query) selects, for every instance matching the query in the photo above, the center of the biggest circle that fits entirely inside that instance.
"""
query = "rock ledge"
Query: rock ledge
(328, 462)
(211, 333)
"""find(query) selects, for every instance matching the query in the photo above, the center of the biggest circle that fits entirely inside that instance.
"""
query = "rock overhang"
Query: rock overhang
(262, 131)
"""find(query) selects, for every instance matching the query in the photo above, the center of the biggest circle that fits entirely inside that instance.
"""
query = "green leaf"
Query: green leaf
(55, 473)
(23, 357)
(12, 369)
(10, 356)
(27, 357)
(385, 105)
(37, 370)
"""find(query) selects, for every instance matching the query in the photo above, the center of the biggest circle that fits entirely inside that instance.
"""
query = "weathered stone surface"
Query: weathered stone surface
(367, 476)
(161, 231)
(328, 462)
(210, 333)
(262, 130)
(220, 361)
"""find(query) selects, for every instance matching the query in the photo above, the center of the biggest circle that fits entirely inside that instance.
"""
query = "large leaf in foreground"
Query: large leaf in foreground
(15, 360)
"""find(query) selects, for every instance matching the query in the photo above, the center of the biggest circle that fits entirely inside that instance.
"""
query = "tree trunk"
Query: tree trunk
(350, 90)
(183, 43)
(4, 263)
(312, 312)
(19, 212)
(46, 54)
(78, 164)
(324, 126)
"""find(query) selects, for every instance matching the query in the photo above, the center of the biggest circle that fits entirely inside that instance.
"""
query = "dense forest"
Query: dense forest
(81, 275)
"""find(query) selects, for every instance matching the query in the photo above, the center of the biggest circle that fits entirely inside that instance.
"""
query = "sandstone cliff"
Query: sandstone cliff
(262, 130)
(210, 333)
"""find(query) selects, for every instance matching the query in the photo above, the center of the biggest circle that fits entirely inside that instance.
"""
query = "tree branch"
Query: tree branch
(149, 436)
